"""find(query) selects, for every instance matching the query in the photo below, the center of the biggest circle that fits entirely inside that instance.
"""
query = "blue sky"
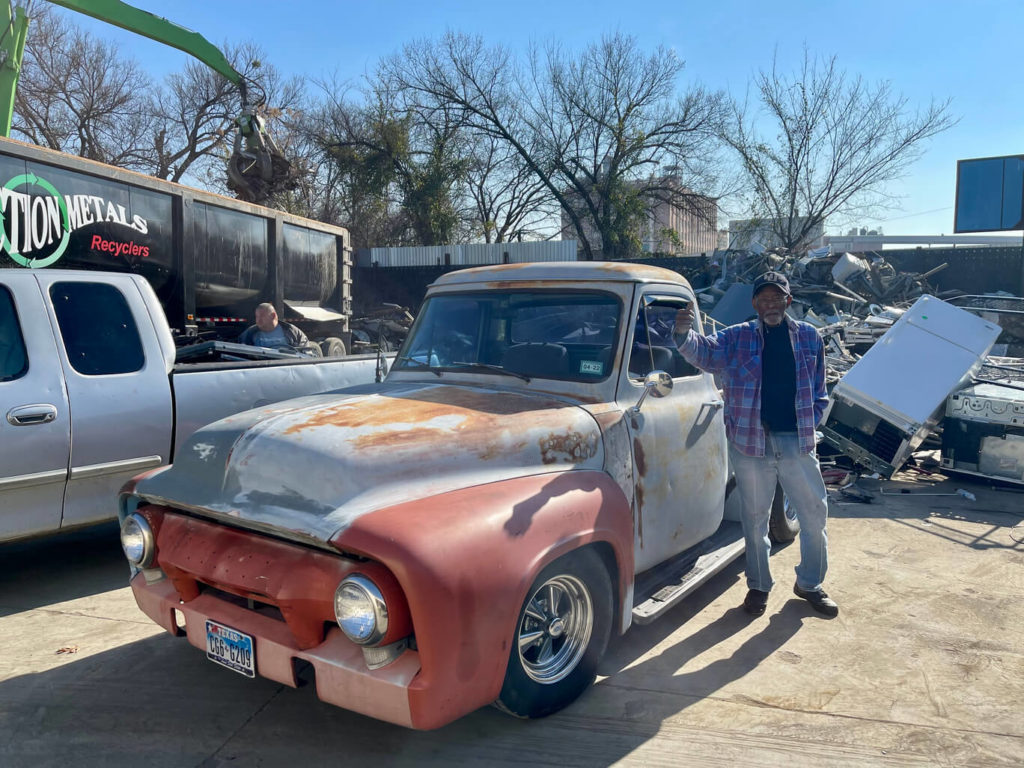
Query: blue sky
(927, 50)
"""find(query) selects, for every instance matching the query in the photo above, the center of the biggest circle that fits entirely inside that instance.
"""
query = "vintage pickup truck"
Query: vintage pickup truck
(539, 469)
(91, 394)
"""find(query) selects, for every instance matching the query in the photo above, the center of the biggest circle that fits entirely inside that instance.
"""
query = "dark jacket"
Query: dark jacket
(294, 336)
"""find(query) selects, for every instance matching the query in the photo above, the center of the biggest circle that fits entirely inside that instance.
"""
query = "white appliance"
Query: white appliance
(889, 401)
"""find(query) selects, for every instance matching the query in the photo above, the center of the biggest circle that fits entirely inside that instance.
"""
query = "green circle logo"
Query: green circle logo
(31, 179)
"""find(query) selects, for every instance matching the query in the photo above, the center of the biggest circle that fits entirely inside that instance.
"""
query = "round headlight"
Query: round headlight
(137, 540)
(360, 610)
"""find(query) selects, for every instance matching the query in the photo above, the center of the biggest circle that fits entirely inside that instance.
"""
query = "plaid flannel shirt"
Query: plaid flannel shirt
(735, 352)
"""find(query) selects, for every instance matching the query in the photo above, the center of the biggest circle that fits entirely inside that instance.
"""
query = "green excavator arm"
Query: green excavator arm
(256, 168)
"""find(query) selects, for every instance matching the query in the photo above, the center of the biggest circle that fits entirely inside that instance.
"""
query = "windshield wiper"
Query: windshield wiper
(418, 364)
(493, 368)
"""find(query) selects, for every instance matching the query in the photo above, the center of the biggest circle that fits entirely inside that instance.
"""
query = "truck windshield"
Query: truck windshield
(568, 335)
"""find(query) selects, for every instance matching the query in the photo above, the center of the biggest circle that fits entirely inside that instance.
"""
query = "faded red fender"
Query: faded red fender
(466, 560)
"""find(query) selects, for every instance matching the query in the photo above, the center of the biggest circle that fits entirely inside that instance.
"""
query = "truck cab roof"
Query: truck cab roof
(613, 271)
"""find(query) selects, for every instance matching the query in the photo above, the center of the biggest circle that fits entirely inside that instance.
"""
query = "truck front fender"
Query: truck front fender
(466, 559)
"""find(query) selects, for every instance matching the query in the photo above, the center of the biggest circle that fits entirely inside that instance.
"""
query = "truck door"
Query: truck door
(35, 422)
(678, 442)
(118, 388)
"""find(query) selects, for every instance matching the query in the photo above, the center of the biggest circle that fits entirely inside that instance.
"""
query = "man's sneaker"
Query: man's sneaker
(819, 601)
(755, 602)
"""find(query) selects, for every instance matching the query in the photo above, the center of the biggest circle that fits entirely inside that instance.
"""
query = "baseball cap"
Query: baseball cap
(772, 278)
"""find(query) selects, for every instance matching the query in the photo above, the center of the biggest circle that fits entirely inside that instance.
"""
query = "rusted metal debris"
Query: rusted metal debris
(854, 301)
(384, 327)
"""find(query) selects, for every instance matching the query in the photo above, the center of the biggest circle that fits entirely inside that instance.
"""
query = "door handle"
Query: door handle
(29, 415)
(716, 404)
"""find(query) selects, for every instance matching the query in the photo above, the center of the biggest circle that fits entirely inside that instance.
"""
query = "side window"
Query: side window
(98, 329)
(13, 358)
(653, 346)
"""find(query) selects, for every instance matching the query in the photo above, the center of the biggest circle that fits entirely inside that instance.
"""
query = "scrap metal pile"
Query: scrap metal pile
(951, 371)
(383, 328)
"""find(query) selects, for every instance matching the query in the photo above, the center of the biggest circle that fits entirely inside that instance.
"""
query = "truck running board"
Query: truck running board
(662, 587)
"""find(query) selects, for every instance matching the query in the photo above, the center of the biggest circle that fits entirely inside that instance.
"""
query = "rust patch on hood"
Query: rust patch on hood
(421, 405)
(406, 437)
(494, 451)
(573, 445)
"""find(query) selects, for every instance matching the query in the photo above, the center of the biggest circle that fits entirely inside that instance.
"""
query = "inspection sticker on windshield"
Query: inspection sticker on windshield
(592, 366)
(230, 648)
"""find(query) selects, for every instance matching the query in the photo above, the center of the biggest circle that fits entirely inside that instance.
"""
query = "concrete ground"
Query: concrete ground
(923, 666)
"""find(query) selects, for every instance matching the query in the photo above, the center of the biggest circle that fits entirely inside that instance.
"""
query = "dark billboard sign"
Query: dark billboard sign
(989, 194)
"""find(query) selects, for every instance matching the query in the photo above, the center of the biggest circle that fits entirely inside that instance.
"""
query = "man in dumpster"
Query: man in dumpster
(773, 372)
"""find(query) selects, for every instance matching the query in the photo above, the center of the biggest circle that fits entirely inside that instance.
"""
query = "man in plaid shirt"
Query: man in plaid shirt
(773, 370)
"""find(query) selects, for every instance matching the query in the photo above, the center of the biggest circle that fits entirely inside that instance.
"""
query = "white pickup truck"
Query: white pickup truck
(90, 394)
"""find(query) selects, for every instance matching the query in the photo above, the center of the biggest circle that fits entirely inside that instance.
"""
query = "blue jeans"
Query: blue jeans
(800, 476)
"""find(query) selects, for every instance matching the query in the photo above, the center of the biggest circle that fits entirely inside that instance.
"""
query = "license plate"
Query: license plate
(230, 648)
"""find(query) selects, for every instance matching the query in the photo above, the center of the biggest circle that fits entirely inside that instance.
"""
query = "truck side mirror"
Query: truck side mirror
(656, 383)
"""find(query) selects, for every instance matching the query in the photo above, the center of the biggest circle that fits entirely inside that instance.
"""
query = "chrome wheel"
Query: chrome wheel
(559, 637)
(555, 629)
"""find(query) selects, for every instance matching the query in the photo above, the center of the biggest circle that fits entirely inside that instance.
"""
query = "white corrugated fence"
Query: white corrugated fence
(475, 253)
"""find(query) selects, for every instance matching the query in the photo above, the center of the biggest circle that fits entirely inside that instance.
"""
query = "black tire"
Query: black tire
(549, 673)
(332, 346)
(783, 525)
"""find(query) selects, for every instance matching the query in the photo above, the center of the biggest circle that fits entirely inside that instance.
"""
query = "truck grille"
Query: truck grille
(263, 609)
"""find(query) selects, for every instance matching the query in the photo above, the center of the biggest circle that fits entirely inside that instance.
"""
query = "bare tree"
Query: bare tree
(836, 142)
(346, 184)
(194, 115)
(320, 192)
(592, 127)
(401, 168)
(430, 183)
(507, 199)
(77, 94)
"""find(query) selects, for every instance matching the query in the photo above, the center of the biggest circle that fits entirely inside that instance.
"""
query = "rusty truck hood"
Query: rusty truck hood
(311, 466)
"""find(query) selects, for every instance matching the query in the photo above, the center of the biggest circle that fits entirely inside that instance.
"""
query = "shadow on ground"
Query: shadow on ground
(935, 508)
(159, 702)
(35, 573)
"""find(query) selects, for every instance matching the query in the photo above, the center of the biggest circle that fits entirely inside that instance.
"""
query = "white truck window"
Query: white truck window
(13, 358)
(98, 329)
(653, 347)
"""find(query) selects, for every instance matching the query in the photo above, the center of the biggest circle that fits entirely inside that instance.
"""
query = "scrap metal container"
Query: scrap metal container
(209, 258)
(889, 401)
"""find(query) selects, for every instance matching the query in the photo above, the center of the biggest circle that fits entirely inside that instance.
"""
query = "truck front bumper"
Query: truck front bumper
(342, 677)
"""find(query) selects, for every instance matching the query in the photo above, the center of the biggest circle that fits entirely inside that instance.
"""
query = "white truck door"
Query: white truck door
(118, 387)
(35, 422)
(678, 441)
